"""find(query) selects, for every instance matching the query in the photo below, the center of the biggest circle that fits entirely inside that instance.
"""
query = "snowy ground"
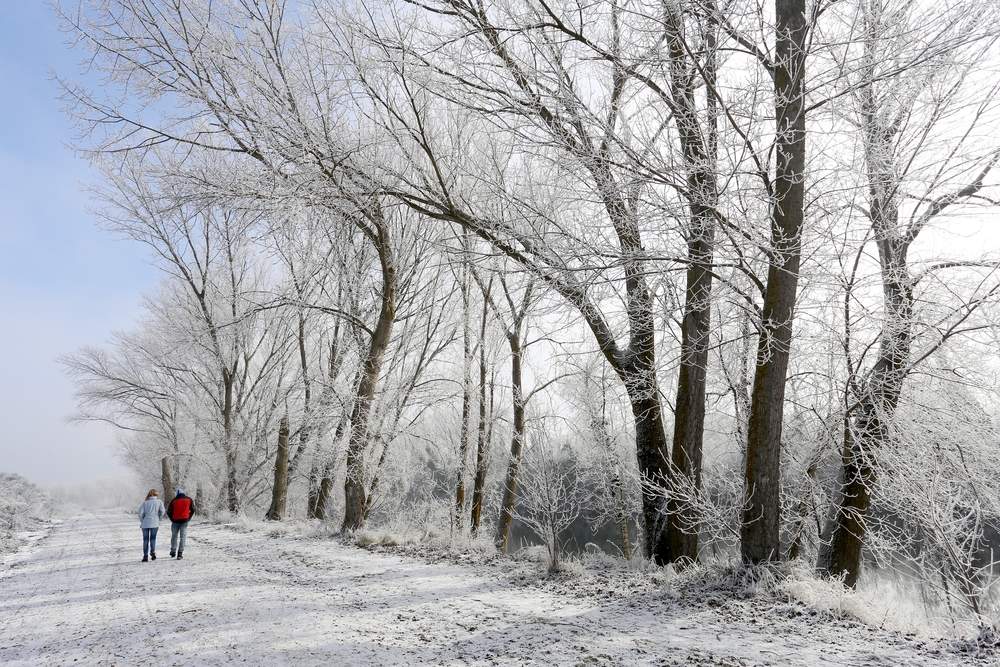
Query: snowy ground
(79, 595)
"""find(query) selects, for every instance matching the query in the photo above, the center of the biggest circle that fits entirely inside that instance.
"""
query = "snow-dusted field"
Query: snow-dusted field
(80, 595)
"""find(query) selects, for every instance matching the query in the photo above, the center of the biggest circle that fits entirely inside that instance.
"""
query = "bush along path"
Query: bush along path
(271, 597)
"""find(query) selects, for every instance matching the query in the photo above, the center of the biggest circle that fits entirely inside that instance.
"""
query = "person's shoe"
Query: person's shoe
(145, 559)
(180, 554)
(152, 555)
(172, 554)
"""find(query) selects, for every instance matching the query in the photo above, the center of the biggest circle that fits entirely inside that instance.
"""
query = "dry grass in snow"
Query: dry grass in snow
(285, 594)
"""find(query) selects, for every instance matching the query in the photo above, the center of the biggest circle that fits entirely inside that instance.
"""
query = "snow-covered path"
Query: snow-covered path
(81, 596)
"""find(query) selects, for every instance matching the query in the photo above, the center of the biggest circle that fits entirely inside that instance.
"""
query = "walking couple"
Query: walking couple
(179, 511)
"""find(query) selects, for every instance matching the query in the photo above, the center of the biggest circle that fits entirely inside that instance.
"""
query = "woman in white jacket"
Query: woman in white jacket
(150, 513)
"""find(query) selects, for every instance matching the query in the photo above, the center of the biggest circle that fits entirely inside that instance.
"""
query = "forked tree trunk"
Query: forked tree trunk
(841, 553)
(279, 493)
(760, 529)
(869, 425)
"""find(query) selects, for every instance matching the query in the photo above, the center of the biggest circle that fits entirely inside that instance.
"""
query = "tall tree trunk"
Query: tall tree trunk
(165, 480)
(458, 519)
(481, 430)
(651, 451)
(841, 550)
(320, 475)
(516, 442)
(698, 147)
(312, 495)
(760, 530)
(305, 430)
(689, 411)
(279, 493)
(355, 498)
(232, 486)
(199, 498)
(232, 471)
(323, 497)
(840, 554)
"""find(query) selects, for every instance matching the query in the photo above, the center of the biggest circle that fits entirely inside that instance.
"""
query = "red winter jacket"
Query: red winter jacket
(180, 509)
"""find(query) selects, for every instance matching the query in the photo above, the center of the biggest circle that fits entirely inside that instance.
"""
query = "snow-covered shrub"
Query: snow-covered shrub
(552, 496)
(21, 504)
(939, 499)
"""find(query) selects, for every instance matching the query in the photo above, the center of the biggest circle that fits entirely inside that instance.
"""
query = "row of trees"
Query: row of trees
(362, 209)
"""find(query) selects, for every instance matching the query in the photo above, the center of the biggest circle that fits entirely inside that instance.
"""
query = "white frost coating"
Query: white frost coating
(262, 598)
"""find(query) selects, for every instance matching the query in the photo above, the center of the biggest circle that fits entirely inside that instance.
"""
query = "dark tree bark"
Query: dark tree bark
(323, 497)
(165, 479)
(698, 146)
(760, 529)
(306, 429)
(320, 476)
(232, 456)
(458, 518)
(324, 485)
(279, 493)
(481, 430)
(514, 334)
(516, 442)
(355, 498)
(199, 498)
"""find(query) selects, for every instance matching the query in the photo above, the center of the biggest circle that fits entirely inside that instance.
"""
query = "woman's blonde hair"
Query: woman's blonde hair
(152, 492)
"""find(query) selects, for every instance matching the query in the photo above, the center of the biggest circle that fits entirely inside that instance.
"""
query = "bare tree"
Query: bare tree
(899, 113)
(552, 498)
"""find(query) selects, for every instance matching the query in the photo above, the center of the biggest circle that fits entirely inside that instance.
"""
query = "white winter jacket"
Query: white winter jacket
(150, 513)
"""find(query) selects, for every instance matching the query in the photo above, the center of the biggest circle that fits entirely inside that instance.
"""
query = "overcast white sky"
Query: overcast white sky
(63, 282)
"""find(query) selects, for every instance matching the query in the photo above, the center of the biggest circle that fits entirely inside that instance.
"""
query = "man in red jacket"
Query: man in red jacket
(180, 510)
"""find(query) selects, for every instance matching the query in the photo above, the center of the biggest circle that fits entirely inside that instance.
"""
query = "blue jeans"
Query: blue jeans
(148, 540)
(178, 530)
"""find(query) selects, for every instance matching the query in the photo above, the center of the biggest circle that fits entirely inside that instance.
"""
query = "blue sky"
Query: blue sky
(63, 282)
